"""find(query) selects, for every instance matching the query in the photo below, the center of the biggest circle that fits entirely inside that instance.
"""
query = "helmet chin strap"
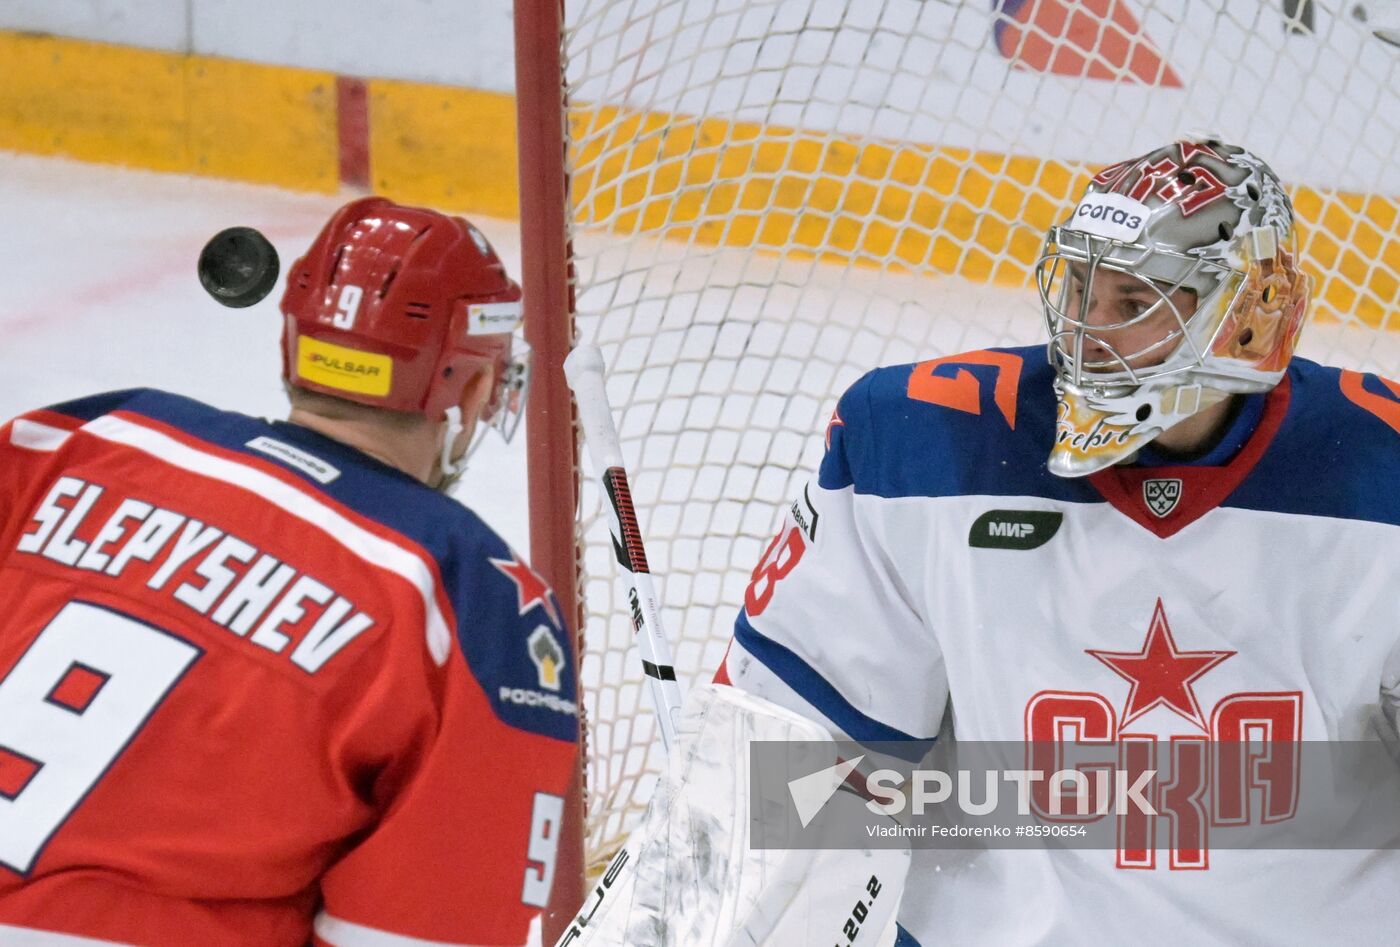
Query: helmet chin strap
(451, 469)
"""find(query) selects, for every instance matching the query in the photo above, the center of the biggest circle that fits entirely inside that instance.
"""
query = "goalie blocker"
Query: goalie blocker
(659, 891)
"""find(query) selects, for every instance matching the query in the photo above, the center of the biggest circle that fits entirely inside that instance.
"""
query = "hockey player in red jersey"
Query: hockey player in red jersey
(1171, 534)
(260, 683)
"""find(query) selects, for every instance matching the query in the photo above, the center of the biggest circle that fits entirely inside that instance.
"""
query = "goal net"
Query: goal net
(769, 197)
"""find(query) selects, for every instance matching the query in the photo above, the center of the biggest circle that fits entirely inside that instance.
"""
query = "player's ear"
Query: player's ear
(476, 393)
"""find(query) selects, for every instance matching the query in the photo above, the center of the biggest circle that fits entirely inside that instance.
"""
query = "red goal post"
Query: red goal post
(747, 203)
(551, 435)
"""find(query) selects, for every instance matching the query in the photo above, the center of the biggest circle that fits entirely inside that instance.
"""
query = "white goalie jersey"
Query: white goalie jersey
(935, 577)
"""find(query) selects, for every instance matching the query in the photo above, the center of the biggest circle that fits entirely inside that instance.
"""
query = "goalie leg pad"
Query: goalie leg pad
(687, 877)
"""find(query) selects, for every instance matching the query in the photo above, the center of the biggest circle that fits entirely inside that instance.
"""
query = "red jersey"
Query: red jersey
(258, 688)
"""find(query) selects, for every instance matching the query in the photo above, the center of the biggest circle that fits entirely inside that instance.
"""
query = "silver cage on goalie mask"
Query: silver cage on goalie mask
(1173, 219)
(1201, 216)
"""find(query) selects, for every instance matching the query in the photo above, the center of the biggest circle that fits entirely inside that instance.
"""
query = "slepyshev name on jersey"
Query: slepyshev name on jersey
(263, 604)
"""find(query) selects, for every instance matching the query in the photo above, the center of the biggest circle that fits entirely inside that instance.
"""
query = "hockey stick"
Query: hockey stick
(584, 371)
(777, 914)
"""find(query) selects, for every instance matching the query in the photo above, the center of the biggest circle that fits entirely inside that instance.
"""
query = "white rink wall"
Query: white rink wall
(1338, 78)
(448, 42)
(929, 72)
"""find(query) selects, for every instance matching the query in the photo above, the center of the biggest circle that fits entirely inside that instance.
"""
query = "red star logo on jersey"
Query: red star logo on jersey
(1160, 674)
(528, 585)
(831, 425)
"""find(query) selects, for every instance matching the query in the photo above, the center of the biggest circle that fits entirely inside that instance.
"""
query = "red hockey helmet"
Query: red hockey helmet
(394, 306)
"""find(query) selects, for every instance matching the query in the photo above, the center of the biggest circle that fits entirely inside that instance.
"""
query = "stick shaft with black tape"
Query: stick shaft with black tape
(584, 371)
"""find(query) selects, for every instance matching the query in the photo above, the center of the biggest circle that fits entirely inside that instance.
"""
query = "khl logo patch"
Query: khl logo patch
(1161, 496)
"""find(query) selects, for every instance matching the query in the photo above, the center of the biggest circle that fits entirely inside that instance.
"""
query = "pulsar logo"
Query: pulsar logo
(347, 369)
(1014, 529)
(337, 365)
(1161, 496)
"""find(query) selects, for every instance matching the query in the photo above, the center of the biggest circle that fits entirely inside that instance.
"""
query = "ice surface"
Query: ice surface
(98, 292)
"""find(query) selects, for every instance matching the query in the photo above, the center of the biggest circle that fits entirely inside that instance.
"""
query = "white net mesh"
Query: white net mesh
(772, 196)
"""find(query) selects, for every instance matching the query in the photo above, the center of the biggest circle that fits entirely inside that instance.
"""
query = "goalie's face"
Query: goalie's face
(1123, 341)
(1110, 321)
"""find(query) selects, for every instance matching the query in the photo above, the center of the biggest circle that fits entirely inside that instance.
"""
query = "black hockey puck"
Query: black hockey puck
(238, 267)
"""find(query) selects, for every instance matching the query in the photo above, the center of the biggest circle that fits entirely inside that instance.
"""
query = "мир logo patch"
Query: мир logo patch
(1014, 529)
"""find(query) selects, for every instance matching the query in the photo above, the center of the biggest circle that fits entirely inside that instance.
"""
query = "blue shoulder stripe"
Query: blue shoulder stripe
(95, 406)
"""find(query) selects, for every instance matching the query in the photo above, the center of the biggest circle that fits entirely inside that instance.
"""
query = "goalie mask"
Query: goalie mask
(1172, 286)
(395, 307)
